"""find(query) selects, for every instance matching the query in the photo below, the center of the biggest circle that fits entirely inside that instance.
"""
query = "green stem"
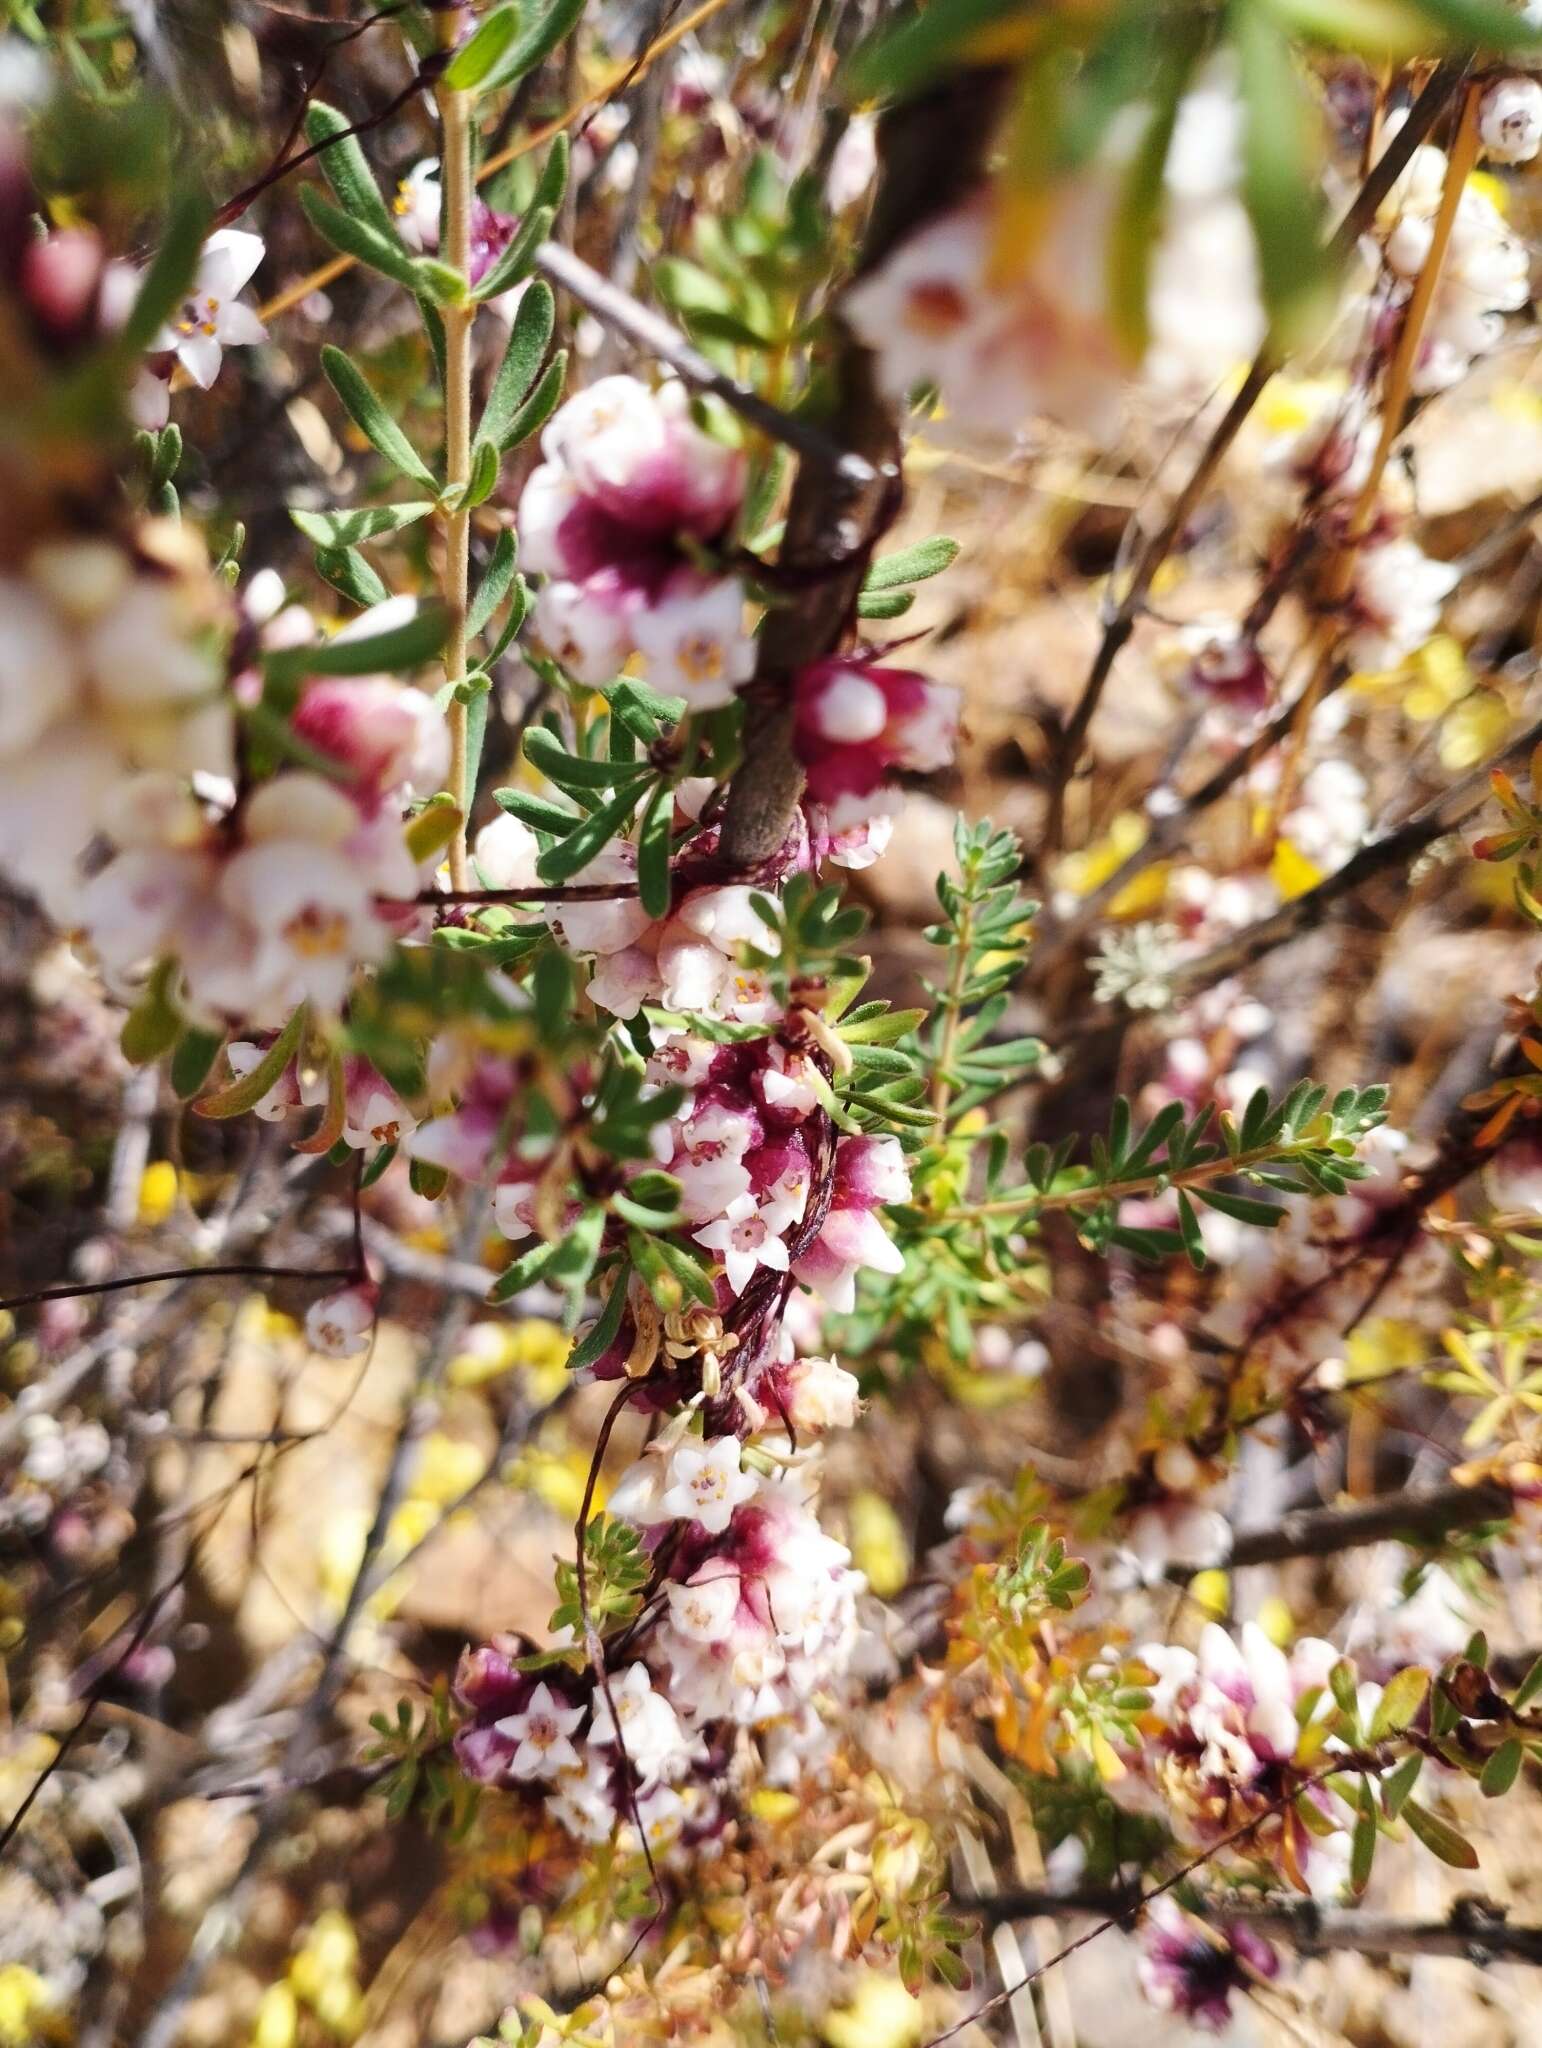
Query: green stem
(459, 194)
(1156, 1182)
(953, 1006)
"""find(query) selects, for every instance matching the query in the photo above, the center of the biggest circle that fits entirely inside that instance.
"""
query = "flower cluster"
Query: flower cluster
(1226, 1725)
(857, 721)
(111, 662)
(623, 518)
(1008, 326)
(281, 896)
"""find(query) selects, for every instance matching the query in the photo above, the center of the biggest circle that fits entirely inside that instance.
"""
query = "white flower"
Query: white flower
(656, 1745)
(341, 1324)
(541, 1733)
(590, 638)
(417, 205)
(704, 1483)
(703, 1609)
(505, 852)
(383, 1120)
(604, 434)
(211, 318)
(314, 919)
(605, 926)
(39, 669)
(694, 643)
(1510, 120)
(745, 1241)
(821, 1395)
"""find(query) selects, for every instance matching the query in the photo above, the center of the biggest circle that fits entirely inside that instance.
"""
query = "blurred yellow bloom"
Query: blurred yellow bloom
(538, 1348)
(1384, 1344)
(23, 1995)
(768, 1804)
(278, 2018)
(1277, 1622)
(878, 1544)
(1083, 872)
(1211, 1592)
(880, 2014)
(1474, 730)
(1441, 678)
(1291, 872)
(157, 1192)
(1488, 187)
(445, 1467)
(556, 1477)
(1291, 403)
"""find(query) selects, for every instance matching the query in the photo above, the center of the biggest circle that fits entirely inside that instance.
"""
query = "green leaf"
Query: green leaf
(927, 44)
(153, 1025)
(1403, 28)
(195, 1055)
(523, 1272)
(539, 406)
(1264, 1215)
(377, 1166)
(494, 586)
(1136, 226)
(357, 238)
(346, 168)
(170, 273)
(342, 529)
(892, 604)
(1438, 1838)
(603, 1335)
(535, 811)
(491, 42)
(372, 419)
(1502, 1769)
(409, 645)
(1397, 1785)
(1362, 1850)
(542, 32)
(912, 565)
(1400, 1701)
(529, 338)
(247, 1090)
(653, 847)
(519, 256)
(1528, 1688)
(545, 751)
(1282, 154)
(485, 462)
(347, 571)
(1188, 1226)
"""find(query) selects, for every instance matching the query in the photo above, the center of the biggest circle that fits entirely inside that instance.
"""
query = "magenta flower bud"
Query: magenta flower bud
(870, 1172)
(857, 721)
(383, 734)
(60, 278)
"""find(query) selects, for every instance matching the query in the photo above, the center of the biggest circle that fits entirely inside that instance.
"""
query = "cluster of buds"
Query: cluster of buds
(858, 721)
(624, 517)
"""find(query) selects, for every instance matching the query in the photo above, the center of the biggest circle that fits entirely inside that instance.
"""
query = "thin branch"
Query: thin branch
(1396, 848)
(248, 1270)
(1475, 1930)
(1324, 1532)
(1426, 110)
(661, 339)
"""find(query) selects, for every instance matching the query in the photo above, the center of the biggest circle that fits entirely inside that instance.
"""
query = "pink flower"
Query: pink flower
(857, 721)
(384, 734)
(342, 1324)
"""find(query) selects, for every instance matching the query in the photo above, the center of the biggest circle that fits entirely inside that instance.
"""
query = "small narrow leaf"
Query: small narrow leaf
(346, 168)
(356, 237)
(371, 417)
(653, 848)
(494, 586)
(529, 338)
(247, 1090)
(342, 529)
(912, 565)
(1438, 1838)
(491, 42)
(539, 406)
(1502, 1769)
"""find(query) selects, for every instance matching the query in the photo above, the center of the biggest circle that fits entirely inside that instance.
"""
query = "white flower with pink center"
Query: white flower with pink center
(541, 1736)
(342, 1324)
(657, 1747)
(745, 1241)
(704, 1483)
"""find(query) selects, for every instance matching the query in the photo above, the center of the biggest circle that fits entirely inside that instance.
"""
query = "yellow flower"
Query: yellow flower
(1291, 872)
(1083, 872)
(878, 1544)
(157, 1192)
(445, 1467)
(23, 1995)
(1474, 730)
(880, 2014)
(278, 2018)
